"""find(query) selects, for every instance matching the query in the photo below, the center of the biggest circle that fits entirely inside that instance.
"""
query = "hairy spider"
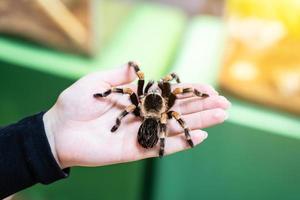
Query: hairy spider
(153, 106)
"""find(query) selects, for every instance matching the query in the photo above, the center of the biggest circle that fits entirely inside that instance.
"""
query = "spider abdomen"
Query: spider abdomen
(148, 133)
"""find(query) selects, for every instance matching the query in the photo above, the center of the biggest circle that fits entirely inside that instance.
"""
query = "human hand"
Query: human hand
(78, 125)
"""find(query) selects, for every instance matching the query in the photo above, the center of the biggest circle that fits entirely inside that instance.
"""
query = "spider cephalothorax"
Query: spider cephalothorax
(153, 107)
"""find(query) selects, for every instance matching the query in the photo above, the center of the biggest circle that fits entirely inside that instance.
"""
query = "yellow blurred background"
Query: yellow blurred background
(263, 52)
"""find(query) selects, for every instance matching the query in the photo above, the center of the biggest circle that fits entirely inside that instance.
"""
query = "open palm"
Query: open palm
(81, 124)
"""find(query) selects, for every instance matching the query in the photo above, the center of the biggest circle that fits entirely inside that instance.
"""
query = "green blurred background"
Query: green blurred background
(253, 155)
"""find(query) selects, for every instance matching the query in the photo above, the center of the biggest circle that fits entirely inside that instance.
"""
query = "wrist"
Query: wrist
(49, 123)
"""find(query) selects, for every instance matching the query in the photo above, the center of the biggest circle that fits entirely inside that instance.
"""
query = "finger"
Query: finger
(118, 76)
(198, 120)
(207, 89)
(177, 143)
(196, 104)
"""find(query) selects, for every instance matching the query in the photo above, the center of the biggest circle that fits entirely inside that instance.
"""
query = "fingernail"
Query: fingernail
(228, 103)
(221, 115)
(223, 100)
(226, 116)
(205, 135)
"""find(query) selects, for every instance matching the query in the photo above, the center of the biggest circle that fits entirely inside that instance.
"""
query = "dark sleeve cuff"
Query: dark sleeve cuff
(38, 152)
(26, 157)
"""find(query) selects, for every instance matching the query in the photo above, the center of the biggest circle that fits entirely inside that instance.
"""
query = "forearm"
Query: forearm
(26, 157)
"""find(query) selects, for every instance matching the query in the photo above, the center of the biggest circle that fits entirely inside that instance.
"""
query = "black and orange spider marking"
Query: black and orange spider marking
(153, 106)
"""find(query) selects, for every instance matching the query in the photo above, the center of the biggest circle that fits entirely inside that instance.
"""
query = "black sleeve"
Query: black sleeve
(26, 157)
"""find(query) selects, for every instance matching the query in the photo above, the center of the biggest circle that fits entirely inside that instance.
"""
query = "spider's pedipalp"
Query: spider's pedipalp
(148, 86)
(165, 88)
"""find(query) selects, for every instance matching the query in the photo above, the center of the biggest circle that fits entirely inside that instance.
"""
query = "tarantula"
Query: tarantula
(153, 106)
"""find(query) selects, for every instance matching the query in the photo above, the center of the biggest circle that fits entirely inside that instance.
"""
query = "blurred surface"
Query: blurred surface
(195, 7)
(236, 162)
(66, 25)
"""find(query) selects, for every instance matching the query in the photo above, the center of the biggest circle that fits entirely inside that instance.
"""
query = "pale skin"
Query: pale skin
(78, 125)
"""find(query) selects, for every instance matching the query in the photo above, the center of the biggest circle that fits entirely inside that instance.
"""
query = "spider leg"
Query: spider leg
(162, 134)
(171, 77)
(128, 109)
(128, 91)
(133, 97)
(140, 75)
(165, 84)
(177, 117)
(172, 96)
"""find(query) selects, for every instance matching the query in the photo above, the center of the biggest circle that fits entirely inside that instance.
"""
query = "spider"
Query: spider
(153, 107)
